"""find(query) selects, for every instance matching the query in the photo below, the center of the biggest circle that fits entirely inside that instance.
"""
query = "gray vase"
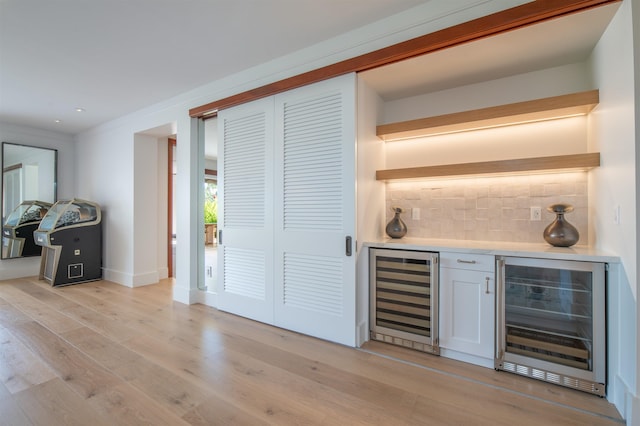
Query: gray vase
(396, 228)
(561, 233)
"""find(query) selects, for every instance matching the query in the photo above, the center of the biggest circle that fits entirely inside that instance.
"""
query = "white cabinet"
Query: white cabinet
(467, 307)
(287, 210)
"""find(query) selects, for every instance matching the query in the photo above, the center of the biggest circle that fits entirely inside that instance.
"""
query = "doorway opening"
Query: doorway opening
(171, 222)
(210, 204)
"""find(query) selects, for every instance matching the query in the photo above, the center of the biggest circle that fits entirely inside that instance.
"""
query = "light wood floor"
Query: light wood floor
(102, 354)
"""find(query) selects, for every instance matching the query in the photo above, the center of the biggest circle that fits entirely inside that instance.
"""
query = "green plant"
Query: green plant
(211, 211)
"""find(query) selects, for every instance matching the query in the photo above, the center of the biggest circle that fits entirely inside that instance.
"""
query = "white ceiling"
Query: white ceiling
(113, 57)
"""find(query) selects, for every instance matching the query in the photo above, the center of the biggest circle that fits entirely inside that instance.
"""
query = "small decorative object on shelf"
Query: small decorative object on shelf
(561, 233)
(396, 228)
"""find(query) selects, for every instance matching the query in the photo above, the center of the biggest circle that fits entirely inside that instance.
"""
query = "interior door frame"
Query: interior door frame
(172, 143)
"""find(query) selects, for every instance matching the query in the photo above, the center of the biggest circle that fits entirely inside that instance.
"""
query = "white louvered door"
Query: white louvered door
(245, 210)
(315, 210)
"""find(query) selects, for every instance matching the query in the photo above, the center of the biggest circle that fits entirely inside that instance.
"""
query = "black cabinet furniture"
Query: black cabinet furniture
(71, 238)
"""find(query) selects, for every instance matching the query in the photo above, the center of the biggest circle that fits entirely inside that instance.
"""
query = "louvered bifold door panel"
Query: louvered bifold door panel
(245, 210)
(315, 209)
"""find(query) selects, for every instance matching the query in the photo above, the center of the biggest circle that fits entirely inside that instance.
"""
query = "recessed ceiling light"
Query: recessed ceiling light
(79, 109)
(58, 121)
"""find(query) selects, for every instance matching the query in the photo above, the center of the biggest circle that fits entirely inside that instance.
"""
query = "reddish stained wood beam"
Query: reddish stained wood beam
(506, 20)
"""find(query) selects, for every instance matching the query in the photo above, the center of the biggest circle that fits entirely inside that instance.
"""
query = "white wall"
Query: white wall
(145, 238)
(615, 135)
(162, 181)
(211, 164)
(105, 171)
(370, 198)
(13, 268)
(125, 162)
(39, 184)
(520, 87)
(556, 137)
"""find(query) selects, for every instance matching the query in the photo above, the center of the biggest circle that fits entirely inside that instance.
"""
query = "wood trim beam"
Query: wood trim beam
(507, 20)
(501, 115)
(559, 162)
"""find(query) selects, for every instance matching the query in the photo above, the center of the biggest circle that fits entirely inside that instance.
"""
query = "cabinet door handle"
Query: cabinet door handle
(348, 249)
(472, 262)
(487, 282)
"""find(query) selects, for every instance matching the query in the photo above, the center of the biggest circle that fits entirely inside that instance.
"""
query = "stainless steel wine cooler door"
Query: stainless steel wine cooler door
(551, 321)
(404, 298)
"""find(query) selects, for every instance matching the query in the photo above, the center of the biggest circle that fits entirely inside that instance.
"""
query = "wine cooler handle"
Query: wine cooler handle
(500, 310)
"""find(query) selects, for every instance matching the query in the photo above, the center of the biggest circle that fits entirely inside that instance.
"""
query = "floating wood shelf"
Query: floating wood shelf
(503, 115)
(559, 162)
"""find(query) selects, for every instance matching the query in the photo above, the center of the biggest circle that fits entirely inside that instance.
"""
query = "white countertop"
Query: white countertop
(538, 250)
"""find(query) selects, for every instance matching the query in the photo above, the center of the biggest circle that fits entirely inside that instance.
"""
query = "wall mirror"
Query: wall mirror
(29, 188)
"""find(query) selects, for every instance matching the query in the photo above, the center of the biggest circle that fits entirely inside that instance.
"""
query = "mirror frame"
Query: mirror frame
(2, 192)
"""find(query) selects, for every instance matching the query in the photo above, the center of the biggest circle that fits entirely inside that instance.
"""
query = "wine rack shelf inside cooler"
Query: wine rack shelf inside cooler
(404, 297)
(571, 299)
(549, 347)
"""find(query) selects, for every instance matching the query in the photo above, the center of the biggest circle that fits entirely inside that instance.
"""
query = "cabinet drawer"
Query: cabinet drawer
(473, 262)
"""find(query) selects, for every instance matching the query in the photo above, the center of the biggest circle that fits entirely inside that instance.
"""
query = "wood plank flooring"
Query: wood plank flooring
(103, 354)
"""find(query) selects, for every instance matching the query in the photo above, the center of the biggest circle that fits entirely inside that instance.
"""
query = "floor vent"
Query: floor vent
(547, 376)
(411, 344)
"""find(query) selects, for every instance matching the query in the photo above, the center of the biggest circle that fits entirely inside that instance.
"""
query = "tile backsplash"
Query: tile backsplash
(489, 208)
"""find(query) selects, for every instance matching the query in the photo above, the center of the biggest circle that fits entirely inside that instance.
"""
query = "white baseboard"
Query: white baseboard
(132, 281)
(163, 273)
(362, 333)
(206, 298)
(147, 278)
(627, 404)
(471, 359)
(189, 296)
(117, 277)
(632, 414)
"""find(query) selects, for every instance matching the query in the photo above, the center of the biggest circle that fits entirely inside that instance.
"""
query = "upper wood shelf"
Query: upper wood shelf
(558, 162)
(502, 115)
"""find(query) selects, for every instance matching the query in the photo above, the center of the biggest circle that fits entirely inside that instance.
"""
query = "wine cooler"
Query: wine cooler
(551, 321)
(404, 298)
